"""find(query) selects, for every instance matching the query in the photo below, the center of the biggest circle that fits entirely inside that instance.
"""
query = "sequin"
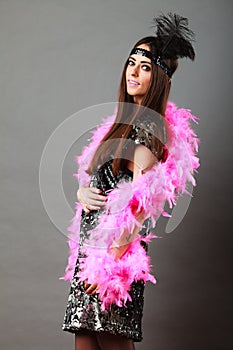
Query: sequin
(84, 311)
(157, 60)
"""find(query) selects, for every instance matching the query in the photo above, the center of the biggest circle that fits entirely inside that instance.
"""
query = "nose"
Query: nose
(134, 70)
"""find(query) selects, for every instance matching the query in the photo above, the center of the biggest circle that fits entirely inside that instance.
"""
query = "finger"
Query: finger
(84, 206)
(94, 291)
(96, 190)
(89, 207)
(97, 198)
(92, 202)
(91, 288)
(96, 193)
(90, 196)
(86, 285)
(93, 207)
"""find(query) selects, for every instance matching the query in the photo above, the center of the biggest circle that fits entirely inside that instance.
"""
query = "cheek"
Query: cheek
(127, 71)
(147, 80)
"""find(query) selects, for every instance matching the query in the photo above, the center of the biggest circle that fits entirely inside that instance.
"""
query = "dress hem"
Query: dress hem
(73, 329)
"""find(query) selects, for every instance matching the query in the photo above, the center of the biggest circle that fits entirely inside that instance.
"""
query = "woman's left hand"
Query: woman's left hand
(90, 288)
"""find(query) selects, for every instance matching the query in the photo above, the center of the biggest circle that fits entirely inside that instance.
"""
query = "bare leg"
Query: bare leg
(108, 341)
(86, 340)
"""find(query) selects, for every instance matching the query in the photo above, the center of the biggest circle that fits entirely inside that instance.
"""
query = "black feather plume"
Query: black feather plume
(174, 36)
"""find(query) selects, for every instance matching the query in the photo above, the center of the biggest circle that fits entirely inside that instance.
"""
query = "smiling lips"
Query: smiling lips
(132, 82)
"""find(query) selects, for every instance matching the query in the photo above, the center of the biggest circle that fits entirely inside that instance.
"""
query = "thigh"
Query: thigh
(86, 340)
(108, 341)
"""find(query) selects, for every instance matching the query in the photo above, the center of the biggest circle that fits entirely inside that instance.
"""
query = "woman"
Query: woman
(101, 314)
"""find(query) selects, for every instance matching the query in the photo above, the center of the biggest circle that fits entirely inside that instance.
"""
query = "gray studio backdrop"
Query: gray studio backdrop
(57, 58)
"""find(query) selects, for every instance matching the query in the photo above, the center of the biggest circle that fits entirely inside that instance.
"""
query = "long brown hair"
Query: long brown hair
(128, 112)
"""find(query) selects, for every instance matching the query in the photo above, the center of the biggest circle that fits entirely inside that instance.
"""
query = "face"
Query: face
(138, 75)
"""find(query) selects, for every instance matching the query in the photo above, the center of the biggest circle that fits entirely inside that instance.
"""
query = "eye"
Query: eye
(130, 62)
(146, 67)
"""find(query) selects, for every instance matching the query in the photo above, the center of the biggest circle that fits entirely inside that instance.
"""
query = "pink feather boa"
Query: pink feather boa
(163, 182)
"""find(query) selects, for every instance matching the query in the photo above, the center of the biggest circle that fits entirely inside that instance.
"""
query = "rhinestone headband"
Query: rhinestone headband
(157, 60)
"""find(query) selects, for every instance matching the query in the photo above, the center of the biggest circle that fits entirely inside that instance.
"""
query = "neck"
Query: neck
(137, 100)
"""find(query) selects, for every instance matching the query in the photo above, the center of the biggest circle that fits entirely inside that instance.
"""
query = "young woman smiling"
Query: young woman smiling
(103, 311)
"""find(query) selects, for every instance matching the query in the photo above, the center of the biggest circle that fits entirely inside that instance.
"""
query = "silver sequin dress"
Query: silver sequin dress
(83, 311)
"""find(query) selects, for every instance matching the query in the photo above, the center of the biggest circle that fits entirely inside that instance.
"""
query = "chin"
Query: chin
(131, 93)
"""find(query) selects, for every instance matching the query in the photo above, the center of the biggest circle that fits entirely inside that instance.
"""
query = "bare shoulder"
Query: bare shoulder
(143, 160)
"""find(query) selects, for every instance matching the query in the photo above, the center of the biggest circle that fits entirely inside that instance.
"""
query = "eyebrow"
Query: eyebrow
(141, 61)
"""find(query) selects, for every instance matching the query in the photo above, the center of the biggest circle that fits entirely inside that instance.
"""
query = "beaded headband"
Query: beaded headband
(157, 60)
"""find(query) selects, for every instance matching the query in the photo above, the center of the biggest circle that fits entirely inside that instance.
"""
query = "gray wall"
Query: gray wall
(58, 57)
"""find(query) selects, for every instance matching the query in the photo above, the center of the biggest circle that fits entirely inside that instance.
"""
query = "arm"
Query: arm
(143, 160)
(90, 199)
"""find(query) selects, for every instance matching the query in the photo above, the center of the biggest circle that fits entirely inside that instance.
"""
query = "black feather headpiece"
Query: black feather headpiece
(173, 41)
(174, 36)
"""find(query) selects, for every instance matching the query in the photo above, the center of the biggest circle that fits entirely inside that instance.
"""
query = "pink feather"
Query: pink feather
(162, 183)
